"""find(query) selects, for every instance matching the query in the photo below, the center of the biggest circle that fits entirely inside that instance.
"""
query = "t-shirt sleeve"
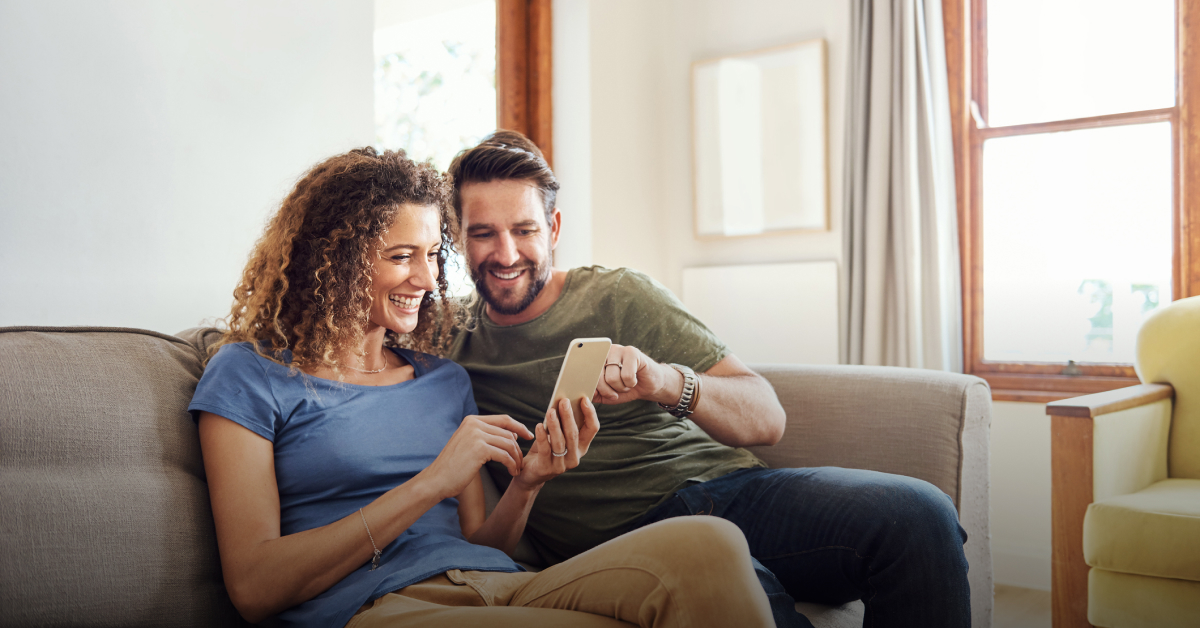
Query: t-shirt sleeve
(236, 386)
(469, 406)
(655, 321)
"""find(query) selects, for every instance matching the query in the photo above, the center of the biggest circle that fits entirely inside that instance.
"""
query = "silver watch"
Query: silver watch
(684, 407)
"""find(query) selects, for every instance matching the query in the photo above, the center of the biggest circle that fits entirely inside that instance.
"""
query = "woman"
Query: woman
(344, 470)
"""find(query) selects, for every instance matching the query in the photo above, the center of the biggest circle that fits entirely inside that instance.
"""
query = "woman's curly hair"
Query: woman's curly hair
(307, 285)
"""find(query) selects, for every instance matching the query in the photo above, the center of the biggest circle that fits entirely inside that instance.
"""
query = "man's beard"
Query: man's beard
(538, 273)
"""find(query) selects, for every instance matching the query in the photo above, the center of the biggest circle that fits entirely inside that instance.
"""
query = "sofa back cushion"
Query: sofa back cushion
(1168, 352)
(105, 517)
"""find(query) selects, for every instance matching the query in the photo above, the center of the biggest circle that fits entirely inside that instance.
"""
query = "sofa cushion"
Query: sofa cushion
(1129, 601)
(1168, 352)
(1153, 532)
(106, 518)
(918, 434)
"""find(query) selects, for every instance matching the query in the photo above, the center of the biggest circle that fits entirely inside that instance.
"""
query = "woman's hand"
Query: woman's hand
(477, 440)
(559, 433)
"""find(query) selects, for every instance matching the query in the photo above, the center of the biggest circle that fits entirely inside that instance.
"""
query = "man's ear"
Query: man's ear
(555, 228)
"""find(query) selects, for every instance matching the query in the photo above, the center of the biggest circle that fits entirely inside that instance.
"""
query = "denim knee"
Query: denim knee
(926, 517)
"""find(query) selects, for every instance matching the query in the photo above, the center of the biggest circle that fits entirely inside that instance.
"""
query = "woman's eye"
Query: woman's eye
(400, 258)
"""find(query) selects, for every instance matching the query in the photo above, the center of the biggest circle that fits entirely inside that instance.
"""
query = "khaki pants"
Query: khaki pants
(687, 571)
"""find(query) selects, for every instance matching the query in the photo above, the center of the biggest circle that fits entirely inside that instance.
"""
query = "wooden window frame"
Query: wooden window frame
(524, 67)
(965, 31)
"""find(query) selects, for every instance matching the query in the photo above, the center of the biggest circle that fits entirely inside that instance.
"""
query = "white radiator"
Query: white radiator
(769, 313)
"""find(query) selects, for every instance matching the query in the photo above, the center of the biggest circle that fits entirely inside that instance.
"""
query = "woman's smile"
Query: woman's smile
(405, 303)
(407, 268)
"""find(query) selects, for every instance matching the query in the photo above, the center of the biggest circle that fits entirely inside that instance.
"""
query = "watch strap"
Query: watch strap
(687, 398)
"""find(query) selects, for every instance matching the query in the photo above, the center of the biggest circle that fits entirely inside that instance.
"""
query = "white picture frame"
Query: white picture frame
(760, 142)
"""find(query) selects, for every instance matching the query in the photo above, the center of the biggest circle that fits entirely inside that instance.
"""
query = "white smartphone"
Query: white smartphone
(580, 373)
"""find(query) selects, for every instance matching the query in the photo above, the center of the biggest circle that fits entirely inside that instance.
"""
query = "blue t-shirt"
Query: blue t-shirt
(340, 446)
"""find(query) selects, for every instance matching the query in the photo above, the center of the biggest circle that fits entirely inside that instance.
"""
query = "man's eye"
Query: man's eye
(479, 236)
(527, 232)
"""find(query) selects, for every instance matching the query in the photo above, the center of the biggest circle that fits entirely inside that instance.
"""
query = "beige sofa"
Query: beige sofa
(104, 513)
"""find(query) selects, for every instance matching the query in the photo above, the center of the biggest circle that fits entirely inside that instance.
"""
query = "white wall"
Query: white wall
(143, 144)
(1020, 465)
(572, 95)
(641, 57)
(698, 31)
(628, 219)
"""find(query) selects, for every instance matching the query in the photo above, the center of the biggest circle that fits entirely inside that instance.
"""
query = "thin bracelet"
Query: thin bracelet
(374, 559)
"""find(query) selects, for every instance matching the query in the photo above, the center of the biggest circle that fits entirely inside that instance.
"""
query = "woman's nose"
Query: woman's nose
(426, 277)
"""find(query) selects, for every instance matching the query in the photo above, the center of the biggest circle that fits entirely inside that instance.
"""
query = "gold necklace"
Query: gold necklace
(385, 367)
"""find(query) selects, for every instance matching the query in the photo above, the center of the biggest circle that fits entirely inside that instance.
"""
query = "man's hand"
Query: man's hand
(629, 375)
(737, 407)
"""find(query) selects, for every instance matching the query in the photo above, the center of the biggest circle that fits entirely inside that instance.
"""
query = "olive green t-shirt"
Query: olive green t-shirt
(642, 454)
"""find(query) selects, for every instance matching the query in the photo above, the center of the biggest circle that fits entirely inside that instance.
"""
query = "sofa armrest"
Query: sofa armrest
(202, 338)
(1100, 445)
(1130, 428)
(1092, 406)
(930, 425)
(913, 422)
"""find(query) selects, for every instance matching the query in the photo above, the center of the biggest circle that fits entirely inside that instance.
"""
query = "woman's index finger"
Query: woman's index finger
(506, 422)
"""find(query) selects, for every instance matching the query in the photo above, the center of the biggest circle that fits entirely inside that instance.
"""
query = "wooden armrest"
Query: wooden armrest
(1072, 489)
(1092, 406)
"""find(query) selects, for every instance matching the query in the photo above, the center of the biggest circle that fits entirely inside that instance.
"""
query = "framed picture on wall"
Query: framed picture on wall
(760, 142)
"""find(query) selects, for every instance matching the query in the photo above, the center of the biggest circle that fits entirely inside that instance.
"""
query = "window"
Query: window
(1079, 194)
(447, 75)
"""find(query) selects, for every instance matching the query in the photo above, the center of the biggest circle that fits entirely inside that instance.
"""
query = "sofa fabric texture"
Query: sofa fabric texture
(918, 434)
(1153, 532)
(1129, 449)
(1121, 600)
(1167, 346)
(925, 424)
(106, 518)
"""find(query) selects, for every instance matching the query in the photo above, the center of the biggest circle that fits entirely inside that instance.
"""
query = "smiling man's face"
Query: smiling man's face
(508, 242)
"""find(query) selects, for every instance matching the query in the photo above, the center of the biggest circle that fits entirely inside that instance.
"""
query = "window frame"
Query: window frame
(965, 23)
(524, 69)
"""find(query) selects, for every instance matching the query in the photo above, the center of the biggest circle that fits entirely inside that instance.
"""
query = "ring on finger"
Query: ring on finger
(558, 455)
(616, 364)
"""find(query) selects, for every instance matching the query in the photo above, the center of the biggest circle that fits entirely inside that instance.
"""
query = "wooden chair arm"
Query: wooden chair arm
(1092, 406)
(1072, 424)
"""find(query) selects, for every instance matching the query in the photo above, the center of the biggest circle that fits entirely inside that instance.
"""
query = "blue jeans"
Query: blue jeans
(831, 535)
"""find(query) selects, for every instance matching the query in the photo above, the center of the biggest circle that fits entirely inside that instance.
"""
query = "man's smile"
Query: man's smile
(507, 274)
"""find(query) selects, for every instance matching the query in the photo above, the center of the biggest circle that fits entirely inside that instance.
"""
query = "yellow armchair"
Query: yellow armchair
(1125, 467)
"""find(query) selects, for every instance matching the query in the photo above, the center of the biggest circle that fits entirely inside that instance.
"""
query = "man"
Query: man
(676, 406)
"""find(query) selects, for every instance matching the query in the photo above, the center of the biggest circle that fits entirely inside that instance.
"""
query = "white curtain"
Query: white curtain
(902, 292)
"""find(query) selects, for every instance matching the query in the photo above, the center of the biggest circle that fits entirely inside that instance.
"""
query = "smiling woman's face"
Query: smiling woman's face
(406, 268)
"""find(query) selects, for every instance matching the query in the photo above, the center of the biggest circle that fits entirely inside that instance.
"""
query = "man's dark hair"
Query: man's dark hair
(501, 156)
